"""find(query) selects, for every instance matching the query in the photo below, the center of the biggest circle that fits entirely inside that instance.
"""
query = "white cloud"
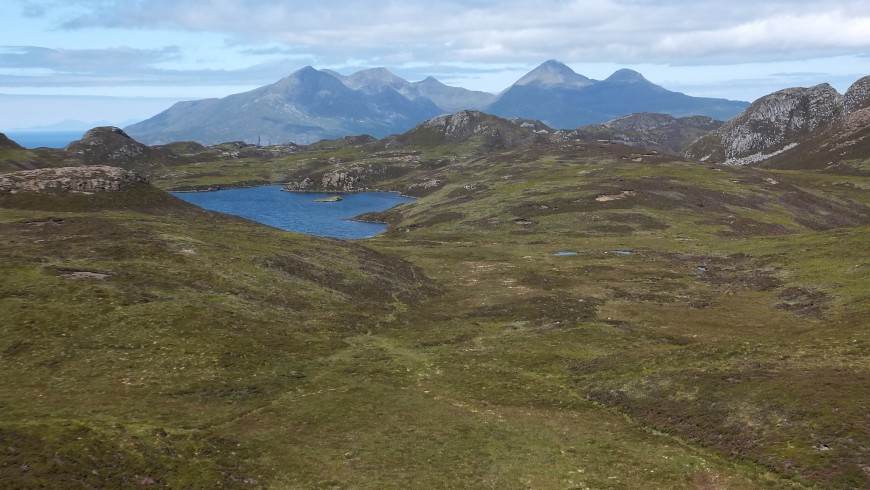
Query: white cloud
(515, 30)
(479, 44)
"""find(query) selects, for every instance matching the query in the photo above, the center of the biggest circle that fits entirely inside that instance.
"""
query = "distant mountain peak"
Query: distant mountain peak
(430, 81)
(626, 75)
(553, 72)
(370, 76)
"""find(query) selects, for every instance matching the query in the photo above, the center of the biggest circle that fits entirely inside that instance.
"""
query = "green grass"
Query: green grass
(453, 351)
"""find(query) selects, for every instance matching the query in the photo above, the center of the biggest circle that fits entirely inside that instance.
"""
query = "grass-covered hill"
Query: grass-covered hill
(138, 331)
(549, 314)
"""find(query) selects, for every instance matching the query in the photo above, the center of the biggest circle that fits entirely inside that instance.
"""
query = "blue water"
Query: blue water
(44, 139)
(564, 253)
(297, 211)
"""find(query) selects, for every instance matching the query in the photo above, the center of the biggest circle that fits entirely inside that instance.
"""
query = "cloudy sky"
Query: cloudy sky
(121, 60)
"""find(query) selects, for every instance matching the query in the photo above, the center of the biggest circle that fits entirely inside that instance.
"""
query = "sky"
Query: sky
(118, 61)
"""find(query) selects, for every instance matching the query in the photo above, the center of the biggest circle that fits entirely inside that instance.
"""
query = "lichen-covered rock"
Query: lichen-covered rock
(107, 144)
(302, 185)
(344, 181)
(97, 178)
(771, 125)
(651, 131)
(457, 126)
(858, 96)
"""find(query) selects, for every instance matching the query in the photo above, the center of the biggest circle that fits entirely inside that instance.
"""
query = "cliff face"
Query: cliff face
(858, 96)
(771, 125)
(798, 127)
(97, 178)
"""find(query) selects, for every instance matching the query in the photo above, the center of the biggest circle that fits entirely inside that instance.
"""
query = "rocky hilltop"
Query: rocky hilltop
(107, 144)
(787, 123)
(95, 178)
(490, 131)
(389, 159)
(660, 132)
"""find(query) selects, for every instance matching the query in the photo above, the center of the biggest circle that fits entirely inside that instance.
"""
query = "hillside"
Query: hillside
(551, 312)
(137, 336)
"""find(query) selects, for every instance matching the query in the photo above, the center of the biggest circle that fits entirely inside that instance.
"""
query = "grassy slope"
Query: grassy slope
(222, 353)
(763, 357)
(198, 321)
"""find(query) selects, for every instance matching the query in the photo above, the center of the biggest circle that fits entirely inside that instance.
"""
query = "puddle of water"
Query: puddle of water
(562, 254)
(702, 268)
(619, 252)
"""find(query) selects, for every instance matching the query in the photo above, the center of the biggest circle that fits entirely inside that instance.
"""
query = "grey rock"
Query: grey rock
(95, 178)
(771, 125)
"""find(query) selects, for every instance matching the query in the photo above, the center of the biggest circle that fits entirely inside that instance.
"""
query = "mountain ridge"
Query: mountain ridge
(310, 104)
(580, 101)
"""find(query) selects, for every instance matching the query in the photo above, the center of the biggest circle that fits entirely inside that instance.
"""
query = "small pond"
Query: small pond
(298, 211)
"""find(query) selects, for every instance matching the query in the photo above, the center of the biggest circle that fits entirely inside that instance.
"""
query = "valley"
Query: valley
(709, 330)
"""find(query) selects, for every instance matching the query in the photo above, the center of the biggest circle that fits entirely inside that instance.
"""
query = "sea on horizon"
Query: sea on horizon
(44, 139)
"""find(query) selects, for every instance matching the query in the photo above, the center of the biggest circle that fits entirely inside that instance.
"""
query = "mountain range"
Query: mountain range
(310, 105)
(561, 98)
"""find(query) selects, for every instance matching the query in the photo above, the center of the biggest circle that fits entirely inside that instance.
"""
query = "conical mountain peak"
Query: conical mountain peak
(554, 72)
(626, 76)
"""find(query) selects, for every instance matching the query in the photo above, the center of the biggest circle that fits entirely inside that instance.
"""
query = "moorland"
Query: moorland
(707, 329)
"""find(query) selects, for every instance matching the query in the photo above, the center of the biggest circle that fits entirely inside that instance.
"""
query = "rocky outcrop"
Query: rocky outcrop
(774, 124)
(96, 178)
(487, 131)
(660, 132)
(793, 128)
(355, 177)
(858, 96)
(106, 144)
(458, 126)
(344, 181)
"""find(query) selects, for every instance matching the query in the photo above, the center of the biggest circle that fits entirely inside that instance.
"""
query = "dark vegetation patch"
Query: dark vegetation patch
(741, 226)
(547, 281)
(74, 455)
(365, 276)
(439, 218)
(646, 296)
(803, 302)
(735, 271)
(757, 412)
(824, 213)
(540, 310)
